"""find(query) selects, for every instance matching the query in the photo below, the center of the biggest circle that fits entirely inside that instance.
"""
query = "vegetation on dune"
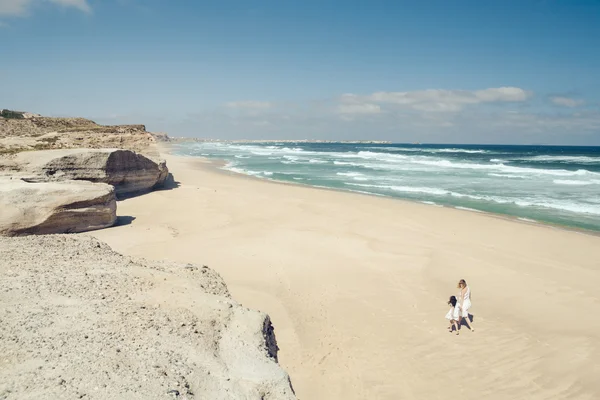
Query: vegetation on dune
(11, 150)
(8, 114)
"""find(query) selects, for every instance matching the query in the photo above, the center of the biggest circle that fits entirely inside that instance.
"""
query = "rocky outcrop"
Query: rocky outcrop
(21, 131)
(54, 207)
(81, 321)
(81, 151)
(129, 172)
(161, 137)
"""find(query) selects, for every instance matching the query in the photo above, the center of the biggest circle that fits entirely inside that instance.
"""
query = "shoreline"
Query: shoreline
(218, 165)
(356, 286)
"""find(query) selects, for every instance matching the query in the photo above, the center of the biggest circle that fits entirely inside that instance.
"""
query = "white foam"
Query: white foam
(365, 192)
(369, 155)
(347, 163)
(508, 176)
(258, 174)
(349, 174)
(561, 205)
(505, 168)
(432, 203)
(527, 219)
(430, 176)
(407, 189)
(406, 162)
(236, 170)
(460, 151)
(572, 182)
(566, 159)
(429, 150)
(468, 209)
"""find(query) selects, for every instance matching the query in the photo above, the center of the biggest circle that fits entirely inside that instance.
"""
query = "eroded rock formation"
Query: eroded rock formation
(124, 156)
(127, 171)
(54, 207)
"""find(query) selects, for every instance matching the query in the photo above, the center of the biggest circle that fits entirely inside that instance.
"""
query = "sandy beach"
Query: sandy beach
(357, 286)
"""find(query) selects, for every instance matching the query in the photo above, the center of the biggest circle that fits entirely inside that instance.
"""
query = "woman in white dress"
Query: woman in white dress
(464, 300)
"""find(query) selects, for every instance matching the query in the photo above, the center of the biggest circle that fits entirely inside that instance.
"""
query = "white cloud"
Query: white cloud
(355, 117)
(81, 5)
(17, 8)
(14, 7)
(364, 109)
(250, 105)
(441, 100)
(505, 93)
(566, 101)
(408, 116)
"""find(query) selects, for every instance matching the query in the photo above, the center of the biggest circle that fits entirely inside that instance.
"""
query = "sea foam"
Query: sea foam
(559, 185)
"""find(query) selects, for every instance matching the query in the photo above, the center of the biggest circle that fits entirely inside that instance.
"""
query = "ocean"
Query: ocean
(548, 184)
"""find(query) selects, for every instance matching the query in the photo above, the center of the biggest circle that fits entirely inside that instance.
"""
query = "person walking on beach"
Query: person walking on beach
(453, 314)
(464, 300)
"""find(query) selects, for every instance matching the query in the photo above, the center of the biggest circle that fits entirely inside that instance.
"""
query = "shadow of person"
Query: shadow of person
(471, 318)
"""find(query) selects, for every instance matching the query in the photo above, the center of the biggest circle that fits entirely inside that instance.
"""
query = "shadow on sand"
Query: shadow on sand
(124, 220)
(169, 184)
(462, 322)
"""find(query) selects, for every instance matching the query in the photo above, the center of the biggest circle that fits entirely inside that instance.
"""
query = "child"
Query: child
(453, 314)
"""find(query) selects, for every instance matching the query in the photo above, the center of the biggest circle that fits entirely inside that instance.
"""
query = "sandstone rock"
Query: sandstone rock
(54, 207)
(129, 172)
(85, 322)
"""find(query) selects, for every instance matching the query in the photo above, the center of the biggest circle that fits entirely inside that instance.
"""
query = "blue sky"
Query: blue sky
(428, 71)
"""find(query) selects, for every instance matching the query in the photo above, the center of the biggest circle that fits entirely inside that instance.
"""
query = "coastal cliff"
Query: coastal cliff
(20, 131)
(81, 321)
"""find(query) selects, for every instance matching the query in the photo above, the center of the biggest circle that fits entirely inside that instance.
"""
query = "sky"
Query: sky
(439, 71)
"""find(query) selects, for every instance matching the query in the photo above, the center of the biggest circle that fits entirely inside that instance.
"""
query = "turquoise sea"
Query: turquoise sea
(551, 184)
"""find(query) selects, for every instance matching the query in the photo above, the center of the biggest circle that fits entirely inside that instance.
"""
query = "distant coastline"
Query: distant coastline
(161, 137)
(203, 140)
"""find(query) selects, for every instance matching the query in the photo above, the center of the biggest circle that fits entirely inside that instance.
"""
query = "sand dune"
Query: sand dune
(357, 286)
